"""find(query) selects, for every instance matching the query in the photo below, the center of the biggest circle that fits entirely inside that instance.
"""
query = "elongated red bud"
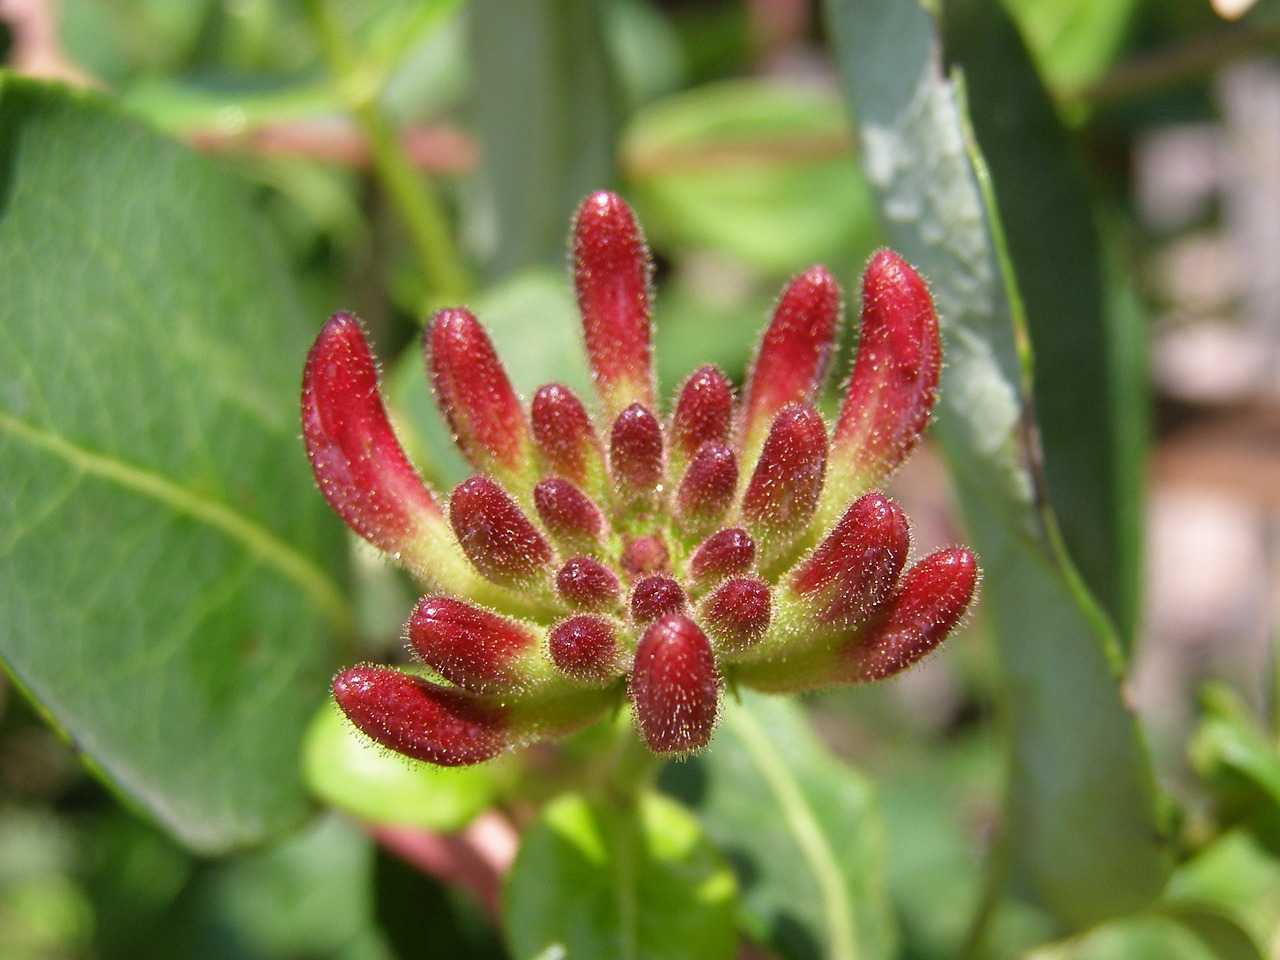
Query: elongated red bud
(585, 648)
(932, 600)
(655, 597)
(476, 396)
(737, 614)
(723, 554)
(568, 514)
(611, 278)
(419, 719)
(644, 555)
(791, 360)
(894, 380)
(635, 453)
(588, 584)
(784, 488)
(565, 438)
(360, 466)
(706, 490)
(675, 686)
(853, 571)
(495, 535)
(477, 649)
(703, 411)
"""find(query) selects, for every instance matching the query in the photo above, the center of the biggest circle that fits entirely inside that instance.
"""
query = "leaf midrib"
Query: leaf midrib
(217, 515)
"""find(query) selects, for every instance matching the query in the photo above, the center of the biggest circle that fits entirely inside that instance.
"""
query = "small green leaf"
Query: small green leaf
(1216, 929)
(803, 832)
(1240, 763)
(596, 879)
(1081, 821)
(754, 168)
(167, 598)
(350, 772)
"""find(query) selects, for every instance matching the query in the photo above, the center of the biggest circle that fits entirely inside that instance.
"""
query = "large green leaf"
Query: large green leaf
(1089, 383)
(616, 881)
(543, 98)
(1082, 824)
(163, 601)
(802, 831)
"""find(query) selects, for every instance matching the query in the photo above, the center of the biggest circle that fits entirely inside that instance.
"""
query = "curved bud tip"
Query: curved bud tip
(611, 278)
(635, 452)
(585, 648)
(737, 614)
(707, 487)
(784, 488)
(589, 584)
(474, 648)
(475, 394)
(855, 568)
(791, 360)
(564, 435)
(568, 513)
(895, 375)
(930, 603)
(419, 719)
(494, 533)
(655, 597)
(703, 411)
(360, 467)
(722, 554)
(675, 686)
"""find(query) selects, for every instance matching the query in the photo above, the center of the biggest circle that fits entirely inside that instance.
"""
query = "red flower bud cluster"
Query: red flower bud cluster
(596, 557)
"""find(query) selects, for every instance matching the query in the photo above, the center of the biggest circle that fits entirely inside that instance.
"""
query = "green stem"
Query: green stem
(842, 943)
(411, 196)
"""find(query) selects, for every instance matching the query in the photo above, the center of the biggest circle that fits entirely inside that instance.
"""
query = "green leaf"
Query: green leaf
(1216, 929)
(803, 832)
(355, 775)
(598, 879)
(1093, 438)
(1240, 763)
(543, 99)
(1073, 40)
(163, 600)
(1236, 876)
(757, 169)
(1081, 821)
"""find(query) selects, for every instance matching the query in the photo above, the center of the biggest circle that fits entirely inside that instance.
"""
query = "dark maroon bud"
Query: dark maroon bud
(655, 597)
(635, 452)
(568, 514)
(474, 648)
(644, 555)
(611, 277)
(722, 554)
(675, 686)
(423, 720)
(702, 413)
(475, 395)
(855, 568)
(784, 488)
(737, 614)
(791, 360)
(707, 488)
(565, 438)
(930, 603)
(496, 536)
(585, 648)
(587, 583)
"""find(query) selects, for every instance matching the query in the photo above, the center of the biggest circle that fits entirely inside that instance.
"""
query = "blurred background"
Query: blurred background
(721, 121)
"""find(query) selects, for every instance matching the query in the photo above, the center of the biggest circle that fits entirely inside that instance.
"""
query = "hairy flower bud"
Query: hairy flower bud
(675, 686)
(566, 441)
(601, 557)
(477, 398)
(495, 534)
(611, 277)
